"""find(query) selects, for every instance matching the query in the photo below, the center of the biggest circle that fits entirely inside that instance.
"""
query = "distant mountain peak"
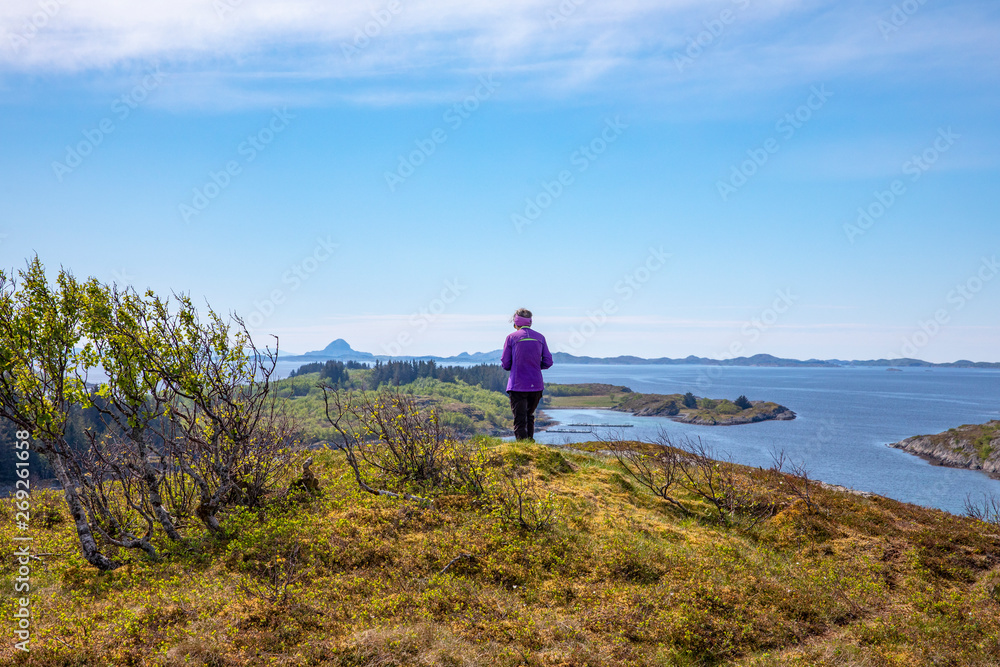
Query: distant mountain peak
(339, 346)
(340, 349)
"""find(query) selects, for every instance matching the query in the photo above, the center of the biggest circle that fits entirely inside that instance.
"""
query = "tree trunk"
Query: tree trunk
(88, 545)
(153, 485)
(151, 479)
(207, 511)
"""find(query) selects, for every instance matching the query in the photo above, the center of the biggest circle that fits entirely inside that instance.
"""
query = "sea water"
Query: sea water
(845, 418)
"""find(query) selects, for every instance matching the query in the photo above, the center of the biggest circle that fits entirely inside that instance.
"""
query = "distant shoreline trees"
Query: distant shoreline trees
(398, 373)
(334, 372)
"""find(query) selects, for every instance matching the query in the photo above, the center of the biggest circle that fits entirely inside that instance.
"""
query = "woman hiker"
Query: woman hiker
(525, 355)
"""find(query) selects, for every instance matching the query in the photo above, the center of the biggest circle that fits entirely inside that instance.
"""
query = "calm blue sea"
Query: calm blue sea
(845, 418)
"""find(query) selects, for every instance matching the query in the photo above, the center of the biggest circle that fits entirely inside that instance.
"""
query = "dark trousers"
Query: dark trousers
(523, 404)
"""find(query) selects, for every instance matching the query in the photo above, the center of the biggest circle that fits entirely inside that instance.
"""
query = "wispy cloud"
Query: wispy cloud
(426, 44)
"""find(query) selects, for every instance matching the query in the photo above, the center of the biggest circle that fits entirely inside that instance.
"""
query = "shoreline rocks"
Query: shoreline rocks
(778, 413)
(972, 446)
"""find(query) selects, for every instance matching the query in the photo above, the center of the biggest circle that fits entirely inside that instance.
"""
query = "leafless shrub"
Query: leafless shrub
(390, 442)
(470, 466)
(362, 421)
(797, 477)
(270, 453)
(519, 501)
(716, 482)
(280, 572)
(987, 510)
(180, 494)
(659, 472)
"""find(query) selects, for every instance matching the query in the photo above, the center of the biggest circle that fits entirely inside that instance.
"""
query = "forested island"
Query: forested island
(686, 408)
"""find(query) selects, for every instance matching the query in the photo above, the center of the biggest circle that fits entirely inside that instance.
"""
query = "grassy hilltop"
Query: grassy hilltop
(602, 572)
(194, 529)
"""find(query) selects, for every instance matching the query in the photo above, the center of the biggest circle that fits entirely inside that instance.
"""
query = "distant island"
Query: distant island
(340, 350)
(685, 408)
(972, 446)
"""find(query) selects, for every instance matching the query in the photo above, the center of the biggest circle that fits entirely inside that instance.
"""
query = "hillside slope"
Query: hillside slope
(619, 578)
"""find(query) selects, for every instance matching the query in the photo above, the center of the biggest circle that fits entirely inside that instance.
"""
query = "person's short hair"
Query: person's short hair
(521, 312)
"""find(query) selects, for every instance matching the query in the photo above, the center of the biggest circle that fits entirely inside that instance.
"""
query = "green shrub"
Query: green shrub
(727, 407)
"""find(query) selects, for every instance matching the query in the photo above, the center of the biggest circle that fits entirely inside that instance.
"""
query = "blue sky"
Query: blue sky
(651, 178)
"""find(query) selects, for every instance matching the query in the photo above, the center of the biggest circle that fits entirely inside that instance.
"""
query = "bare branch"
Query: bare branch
(988, 510)
(658, 472)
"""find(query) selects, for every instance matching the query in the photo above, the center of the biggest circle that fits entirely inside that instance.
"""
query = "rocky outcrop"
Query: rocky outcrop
(650, 405)
(973, 446)
(758, 413)
(656, 405)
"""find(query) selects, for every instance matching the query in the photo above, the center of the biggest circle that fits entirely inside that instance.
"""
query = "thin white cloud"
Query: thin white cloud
(61, 35)
(424, 35)
(426, 45)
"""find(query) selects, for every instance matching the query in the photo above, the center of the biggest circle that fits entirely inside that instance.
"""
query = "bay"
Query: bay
(845, 418)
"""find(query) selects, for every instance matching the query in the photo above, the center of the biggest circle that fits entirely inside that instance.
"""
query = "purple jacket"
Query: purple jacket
(525, 354)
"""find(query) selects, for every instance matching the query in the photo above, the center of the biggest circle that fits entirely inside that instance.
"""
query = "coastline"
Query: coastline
(970, 447)
(779, 413)
(682, 408)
